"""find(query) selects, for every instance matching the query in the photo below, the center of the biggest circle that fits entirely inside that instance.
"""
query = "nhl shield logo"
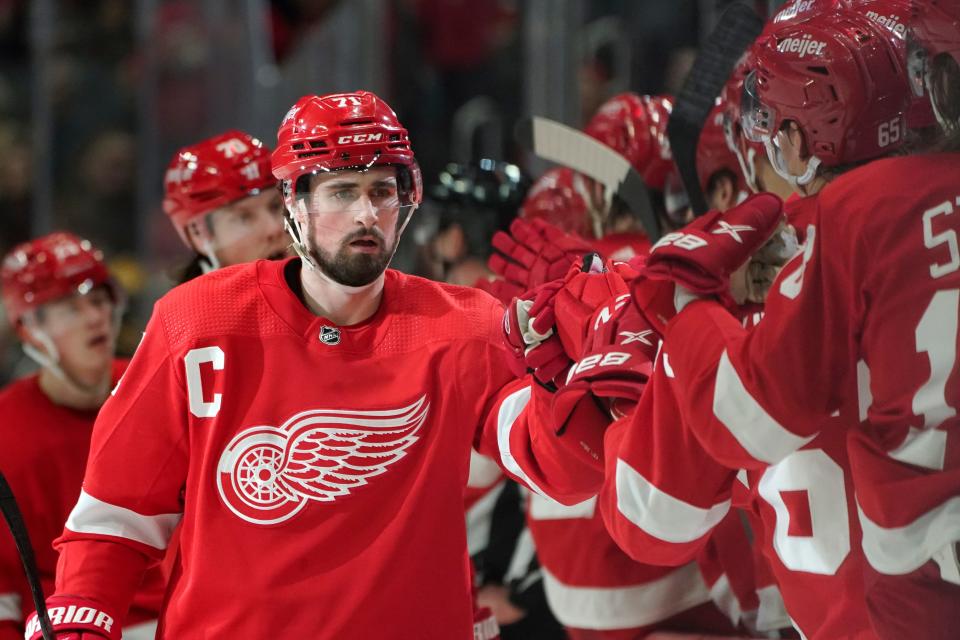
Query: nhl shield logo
(329, 335)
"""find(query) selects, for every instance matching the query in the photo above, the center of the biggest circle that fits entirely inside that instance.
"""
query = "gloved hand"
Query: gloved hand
(75, 618)
(533, 253)
(711, 257)
(544, 329)
(613, 370)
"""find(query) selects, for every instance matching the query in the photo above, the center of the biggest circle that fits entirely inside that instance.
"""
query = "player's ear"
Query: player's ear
(797, 140)
(723, 196)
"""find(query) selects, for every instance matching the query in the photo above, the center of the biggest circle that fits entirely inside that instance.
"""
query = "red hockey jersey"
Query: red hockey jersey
(317, 471)
(43, 456)
(871, 304)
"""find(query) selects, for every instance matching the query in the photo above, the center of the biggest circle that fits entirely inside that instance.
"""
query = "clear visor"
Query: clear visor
(756, 118)
(943, 82)
(732, 136)
(916, 65)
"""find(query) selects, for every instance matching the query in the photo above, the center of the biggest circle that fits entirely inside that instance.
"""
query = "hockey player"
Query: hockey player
(307, 422)
(65, 308)
(878, 264)
(564, 217)
(222, 199)
(592, 586)
(660, 515)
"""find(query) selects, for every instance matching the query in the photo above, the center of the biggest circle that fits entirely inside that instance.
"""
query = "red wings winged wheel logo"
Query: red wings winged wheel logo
(267, 475)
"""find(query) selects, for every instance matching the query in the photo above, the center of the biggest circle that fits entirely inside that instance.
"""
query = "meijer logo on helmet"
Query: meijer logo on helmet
(804, 46)
(360, 137)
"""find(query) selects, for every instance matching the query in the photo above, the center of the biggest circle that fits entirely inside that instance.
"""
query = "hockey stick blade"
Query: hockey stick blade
(563, 145)
(14, 518)
(738, 27)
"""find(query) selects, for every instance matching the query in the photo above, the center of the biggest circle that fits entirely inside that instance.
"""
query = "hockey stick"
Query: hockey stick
(556, 142)
(738, 27)
(14, 518)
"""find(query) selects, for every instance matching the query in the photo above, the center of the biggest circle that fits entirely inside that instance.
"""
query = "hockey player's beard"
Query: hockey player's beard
(354, 269)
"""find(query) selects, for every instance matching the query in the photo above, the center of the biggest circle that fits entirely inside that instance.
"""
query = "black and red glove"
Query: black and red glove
(711, 257)
(532, 254)
(614, 368)
(76, 618)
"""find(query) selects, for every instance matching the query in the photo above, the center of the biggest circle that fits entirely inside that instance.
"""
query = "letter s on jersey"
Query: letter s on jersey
(192, 362)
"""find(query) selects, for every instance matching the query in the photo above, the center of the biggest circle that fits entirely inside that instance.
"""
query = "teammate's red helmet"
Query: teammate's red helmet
(799, 10)
(713, 152)
(838, 77)
(45, 269)
(345, 131)
(933, 58)
(212, 173)
(636, 127)
(560, 197)
(894, 16)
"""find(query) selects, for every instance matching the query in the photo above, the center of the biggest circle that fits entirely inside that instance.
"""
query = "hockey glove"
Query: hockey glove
(544, 330)
(616, 363)
(75, 619)
(711, 257)
(533, 253)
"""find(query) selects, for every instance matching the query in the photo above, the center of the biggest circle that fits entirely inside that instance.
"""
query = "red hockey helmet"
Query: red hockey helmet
(561, 198)
(48, 268)
(212, 173)
(636, 127)
(933, 58)
(344, 131)
(799, 10)
(838, 78)
(894, 17)
(713, 152)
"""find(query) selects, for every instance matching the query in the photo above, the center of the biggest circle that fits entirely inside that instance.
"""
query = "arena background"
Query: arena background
(96, 95)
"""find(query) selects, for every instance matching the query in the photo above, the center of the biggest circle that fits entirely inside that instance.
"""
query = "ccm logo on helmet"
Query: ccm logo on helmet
(804, 46)
(360, 137)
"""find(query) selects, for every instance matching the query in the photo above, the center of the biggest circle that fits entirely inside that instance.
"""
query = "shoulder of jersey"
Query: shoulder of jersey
(224, 302)
(457, 311)
(18, 395)
(888, 184)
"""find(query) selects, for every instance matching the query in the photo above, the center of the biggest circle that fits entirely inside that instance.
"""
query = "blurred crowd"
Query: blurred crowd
(75, 76)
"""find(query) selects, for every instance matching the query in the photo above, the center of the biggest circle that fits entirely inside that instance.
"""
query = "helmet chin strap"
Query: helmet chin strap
(210, 261)
(51, 360)
(776, 160)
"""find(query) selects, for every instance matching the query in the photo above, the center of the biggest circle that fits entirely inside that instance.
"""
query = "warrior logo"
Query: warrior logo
(267, 475)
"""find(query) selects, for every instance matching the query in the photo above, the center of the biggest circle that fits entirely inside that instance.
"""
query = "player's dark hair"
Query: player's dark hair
(189, 271)
(720, 174)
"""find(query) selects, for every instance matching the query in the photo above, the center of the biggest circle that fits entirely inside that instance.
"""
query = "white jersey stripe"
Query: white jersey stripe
(658, 513)
(91, 515)
(510, 409)
(757, 432)
(607, 608)
(899, 550)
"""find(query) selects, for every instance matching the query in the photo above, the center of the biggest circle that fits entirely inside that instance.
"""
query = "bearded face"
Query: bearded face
(352, 222)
